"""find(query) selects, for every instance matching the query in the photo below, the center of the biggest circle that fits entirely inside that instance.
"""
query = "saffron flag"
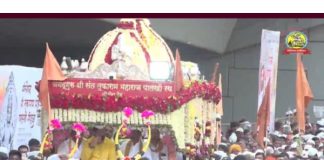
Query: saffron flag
(263, 116)
(303, 94)
(51, 71)
(178, 72)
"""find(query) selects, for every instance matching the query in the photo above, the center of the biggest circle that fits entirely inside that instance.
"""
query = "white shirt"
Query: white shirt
(134, 149)
(64, 148)
(54, 157)
(57, 157)
(151, 155)
(179, 156)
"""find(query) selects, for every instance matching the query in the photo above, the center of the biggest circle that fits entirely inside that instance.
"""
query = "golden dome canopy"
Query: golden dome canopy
(133, 41)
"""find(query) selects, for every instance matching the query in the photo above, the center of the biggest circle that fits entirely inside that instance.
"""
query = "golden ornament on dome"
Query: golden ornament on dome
(128, 51)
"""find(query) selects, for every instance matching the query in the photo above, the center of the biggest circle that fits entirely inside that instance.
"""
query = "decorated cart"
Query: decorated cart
(132, 66)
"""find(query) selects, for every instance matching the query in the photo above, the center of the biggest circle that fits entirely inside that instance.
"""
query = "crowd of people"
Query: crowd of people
(238, 143)
(285, 143)
(97, 144)
(23, 152)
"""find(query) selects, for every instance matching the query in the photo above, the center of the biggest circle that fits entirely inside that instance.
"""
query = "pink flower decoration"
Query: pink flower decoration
(79, 127)
(128, 111)
(56, 124)
(147, 114)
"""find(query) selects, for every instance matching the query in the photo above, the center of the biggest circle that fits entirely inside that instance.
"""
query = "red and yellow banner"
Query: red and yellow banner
(113, 95)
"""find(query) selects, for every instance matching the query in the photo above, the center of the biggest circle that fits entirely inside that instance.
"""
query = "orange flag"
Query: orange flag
(51, 71)
(178, 72)
(263, 116)
(303, 94)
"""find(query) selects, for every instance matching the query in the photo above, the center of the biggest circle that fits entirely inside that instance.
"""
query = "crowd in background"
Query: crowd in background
(238, 143)
(285, 142)
(22, 152)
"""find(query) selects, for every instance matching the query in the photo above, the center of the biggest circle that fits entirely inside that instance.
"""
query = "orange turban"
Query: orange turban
(235, 148)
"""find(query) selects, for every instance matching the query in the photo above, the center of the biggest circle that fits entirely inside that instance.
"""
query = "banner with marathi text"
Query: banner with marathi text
(20, 108)
(268, 71)
(112, 87)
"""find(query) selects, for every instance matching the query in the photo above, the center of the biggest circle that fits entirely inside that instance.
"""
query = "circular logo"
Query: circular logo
(296, 40)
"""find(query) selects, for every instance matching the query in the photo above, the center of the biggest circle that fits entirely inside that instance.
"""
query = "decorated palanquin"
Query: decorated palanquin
(121, 74)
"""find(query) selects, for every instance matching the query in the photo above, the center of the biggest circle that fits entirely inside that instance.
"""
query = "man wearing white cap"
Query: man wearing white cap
(320, 136)
(293, 150)
(321, 150)
(312, 153)
(283, 156)
(308, 136)
(321, 129)
(259, 155)
(222, 150)
(239, 133)
(307, 147)
(246, 125)
(311, 143)
(320, 123)
(304, 155)
(221, 154)
(279, 130)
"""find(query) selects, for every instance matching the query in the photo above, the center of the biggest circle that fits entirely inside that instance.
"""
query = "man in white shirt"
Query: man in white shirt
(157, 150)
(133, 146)
(66, 146)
